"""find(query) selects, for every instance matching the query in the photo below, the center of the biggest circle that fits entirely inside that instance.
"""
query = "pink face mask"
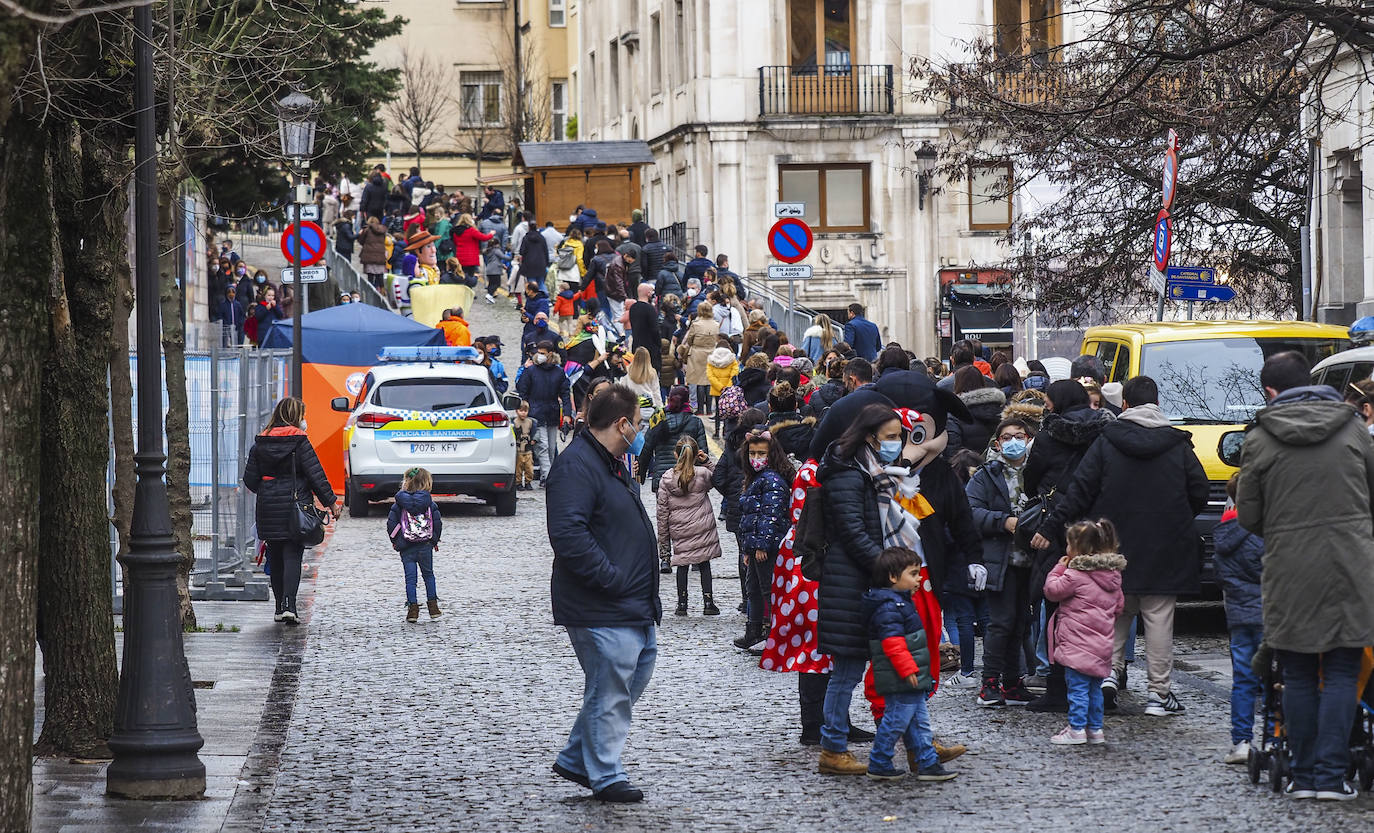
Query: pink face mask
(759, 463)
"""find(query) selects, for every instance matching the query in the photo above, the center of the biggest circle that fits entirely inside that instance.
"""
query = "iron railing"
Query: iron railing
(846, 90)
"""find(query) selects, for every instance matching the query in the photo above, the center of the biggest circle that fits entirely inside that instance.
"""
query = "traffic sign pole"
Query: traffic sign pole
(297, 311)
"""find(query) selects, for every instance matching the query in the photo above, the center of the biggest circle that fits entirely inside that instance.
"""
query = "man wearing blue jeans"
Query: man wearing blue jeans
(604, 588)
(1307, 488)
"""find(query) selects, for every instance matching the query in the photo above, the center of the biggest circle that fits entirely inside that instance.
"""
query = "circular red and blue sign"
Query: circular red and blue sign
(1164, 238)
(1170, 178)
(790, 240)
(312, 243)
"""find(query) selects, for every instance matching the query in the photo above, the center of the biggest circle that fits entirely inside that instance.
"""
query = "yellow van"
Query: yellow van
(1208, 377)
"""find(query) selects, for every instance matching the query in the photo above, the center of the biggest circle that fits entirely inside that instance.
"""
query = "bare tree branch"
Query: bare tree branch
(425, 103)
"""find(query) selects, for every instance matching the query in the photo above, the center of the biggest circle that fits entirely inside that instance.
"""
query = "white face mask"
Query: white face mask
(304, 426)
(540, 358)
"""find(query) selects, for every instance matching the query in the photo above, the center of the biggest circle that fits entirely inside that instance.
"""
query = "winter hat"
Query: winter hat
(1112, 393)
(804, 366)
(1021, 366)
(916, 390)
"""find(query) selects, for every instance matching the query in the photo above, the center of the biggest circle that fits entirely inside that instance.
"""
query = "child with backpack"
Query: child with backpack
(1087, 585)
(1238, 562)
(415, 526)
(721, 368)
(687, 524)
(901, 668)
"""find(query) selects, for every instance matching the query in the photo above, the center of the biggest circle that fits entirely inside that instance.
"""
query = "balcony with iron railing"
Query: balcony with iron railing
(843, 90)
(1035, 82)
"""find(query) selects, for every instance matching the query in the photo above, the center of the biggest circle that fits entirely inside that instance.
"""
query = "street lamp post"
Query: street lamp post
(155, 738)
(296, 128)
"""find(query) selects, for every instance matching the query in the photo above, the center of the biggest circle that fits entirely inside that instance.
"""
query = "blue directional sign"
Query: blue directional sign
(1194, 283)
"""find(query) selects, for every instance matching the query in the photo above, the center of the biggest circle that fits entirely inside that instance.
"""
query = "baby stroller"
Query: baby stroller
(1271, 757)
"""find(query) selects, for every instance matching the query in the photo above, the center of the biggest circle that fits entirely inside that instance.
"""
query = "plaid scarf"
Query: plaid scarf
(900, 527)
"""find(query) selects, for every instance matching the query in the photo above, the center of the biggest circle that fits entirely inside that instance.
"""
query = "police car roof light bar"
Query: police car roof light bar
(428, 353)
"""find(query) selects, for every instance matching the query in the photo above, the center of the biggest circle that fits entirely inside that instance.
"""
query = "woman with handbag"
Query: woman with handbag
(285, 474)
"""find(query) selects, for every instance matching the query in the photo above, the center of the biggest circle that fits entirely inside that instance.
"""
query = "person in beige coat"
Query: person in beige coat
(687, 523)
(696, 348)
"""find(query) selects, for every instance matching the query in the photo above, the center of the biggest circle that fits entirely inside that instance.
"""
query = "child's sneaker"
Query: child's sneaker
(935, 773)
(991, 693)
(888, 773)
(1096, 736)
(1069, 736)
(1016, 694)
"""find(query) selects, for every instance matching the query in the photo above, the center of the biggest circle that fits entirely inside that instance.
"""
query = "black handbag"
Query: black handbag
(1030, 519)
(307, 521)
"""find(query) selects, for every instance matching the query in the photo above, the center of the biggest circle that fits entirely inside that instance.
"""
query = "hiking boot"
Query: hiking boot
(412, 613)
(753, 635)
(708, 605)
(935, 773)
(991, 693)
(1166, 707)
(288, 611)
(840, 763)
(949, 753)
(681, 609)
(434, 612)
(1016, 694)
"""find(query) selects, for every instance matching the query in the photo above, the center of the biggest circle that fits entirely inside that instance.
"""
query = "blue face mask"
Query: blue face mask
(636, 445)
(1014, 449)
(889, 450)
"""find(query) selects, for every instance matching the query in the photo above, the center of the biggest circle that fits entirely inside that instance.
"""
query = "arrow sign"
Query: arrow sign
(790, 240)
(1164, 237)
(312, 243)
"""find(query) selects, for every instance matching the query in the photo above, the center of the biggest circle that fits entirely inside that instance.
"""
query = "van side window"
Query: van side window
(1338, 376)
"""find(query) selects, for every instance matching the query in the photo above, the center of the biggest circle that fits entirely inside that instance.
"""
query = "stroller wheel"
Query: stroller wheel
(1254, 765)
(1278, 772)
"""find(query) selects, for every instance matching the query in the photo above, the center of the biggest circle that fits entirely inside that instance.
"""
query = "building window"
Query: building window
(836, 196)
(680, 49)
(558, 96)
(558, 13)
(613, 69)
(655, 56)
(820, 30)
(481, 98)
(989, 196)
(1027, 27)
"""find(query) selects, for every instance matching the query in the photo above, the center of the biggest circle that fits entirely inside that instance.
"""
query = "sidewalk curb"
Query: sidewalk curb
(258, 778)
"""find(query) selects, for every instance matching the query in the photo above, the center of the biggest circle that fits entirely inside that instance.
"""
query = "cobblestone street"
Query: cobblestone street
(453, 724)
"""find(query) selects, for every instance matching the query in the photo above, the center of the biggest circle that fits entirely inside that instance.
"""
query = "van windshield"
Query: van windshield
(1217, 380)
(432, 394)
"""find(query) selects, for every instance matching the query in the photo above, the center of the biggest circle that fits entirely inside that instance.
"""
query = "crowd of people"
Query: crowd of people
(887, 512)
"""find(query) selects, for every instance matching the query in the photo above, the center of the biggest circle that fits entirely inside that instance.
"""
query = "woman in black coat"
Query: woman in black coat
(985, 406)
(283, 471)
(854, 533)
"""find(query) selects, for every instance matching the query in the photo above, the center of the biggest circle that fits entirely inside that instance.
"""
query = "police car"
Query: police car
(418, 407)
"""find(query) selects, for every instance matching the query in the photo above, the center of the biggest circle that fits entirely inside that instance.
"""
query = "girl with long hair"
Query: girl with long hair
(687, 524)
(819, 338)
(763, 522)
(642, 378)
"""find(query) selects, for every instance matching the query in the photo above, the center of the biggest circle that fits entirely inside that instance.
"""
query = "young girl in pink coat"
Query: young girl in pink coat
(1087, 585)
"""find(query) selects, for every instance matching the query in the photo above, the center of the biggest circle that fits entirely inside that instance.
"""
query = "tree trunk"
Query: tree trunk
(74, 594)
(27, 238)
(178, 419)
(121, 417)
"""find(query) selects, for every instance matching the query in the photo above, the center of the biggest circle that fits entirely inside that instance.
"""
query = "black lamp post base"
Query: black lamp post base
(170, 789)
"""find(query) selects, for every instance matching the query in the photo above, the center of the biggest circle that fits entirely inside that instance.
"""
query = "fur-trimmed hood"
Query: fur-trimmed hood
(1028, 411)
(789, 419)
(984, 396)
(721, 357)
(1098, 561)
(1078, 427)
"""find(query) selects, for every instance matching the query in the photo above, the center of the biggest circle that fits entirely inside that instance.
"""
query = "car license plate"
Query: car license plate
(434, 448)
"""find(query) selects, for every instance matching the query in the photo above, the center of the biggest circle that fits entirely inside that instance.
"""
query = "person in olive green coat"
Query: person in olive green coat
(1307, 487)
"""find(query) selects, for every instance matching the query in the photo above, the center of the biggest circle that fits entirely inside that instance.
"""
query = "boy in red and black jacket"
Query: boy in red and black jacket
(901, 667)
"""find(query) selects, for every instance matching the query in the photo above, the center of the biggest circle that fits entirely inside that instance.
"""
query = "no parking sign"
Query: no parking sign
(312, 243)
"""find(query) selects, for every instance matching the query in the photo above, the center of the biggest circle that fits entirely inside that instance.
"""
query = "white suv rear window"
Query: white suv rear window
(432, 394)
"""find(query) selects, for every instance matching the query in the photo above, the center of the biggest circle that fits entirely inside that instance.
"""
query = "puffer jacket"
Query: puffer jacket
(721, 367)
(990, 501)
(664, 432)
(854, 534)
(1062, 441)
(986, 407)
(793, 433)
(269, 475)
(686, 521)
(1239, 558)
(467, 245)
(728, 479)
(892, 621)
(545, 387)
(754, 382)
(825, 396)
(416, 503)
(372, 240)
(763, 513)
(1089, 595)
(1318, 550)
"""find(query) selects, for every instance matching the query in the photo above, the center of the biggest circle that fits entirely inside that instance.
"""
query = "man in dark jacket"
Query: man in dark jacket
(544, 385)
(697, 266)
(1143, 476)
(654, 252)
(1307, 486)
(644, 326)
(373, 201)
(534, 258)
(639, 230)
(496, 202)
(604, 588)
(862, 334)
(668, 280)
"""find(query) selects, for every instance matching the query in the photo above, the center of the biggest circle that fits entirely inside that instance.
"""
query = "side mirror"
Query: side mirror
(341, 404)
(1228, 449)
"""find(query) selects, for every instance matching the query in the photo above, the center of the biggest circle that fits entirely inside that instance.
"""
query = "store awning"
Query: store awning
(980, 321)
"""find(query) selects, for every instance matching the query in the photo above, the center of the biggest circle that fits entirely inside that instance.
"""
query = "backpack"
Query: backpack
(732, 402)
(416, 528)
(809, 539)
(567, 258)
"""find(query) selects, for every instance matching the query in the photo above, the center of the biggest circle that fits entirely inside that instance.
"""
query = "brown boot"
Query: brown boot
(944, 753)
(434, 612)
(840, 763)
(412, 613)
